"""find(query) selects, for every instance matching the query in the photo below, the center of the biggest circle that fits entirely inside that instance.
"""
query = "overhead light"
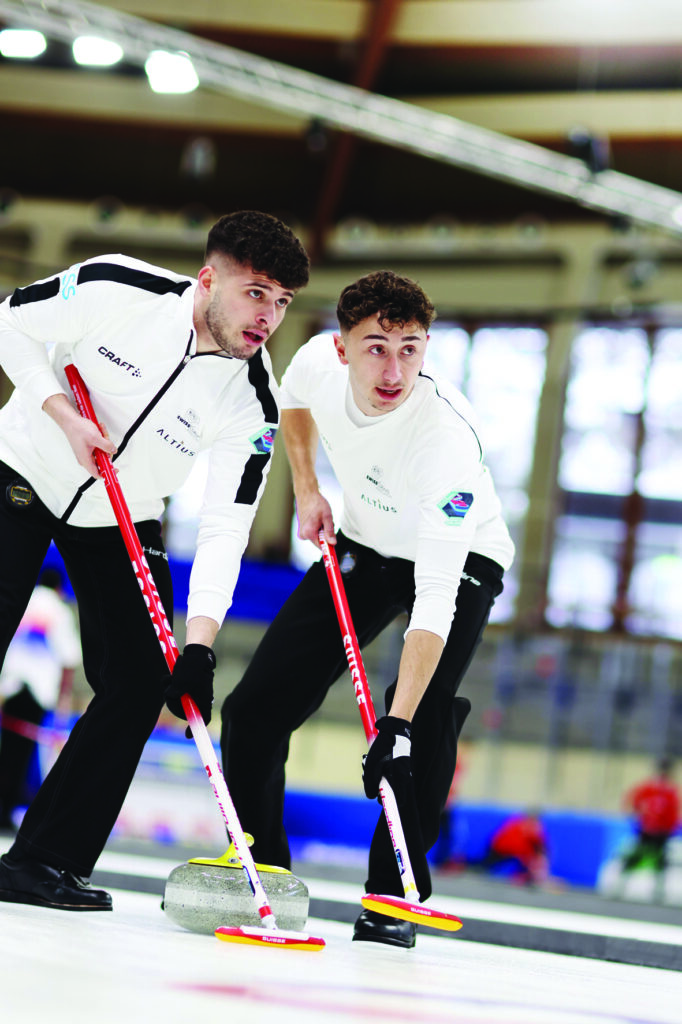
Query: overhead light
(676, 215)
(94, 51)
(170, 72)
(24, 43)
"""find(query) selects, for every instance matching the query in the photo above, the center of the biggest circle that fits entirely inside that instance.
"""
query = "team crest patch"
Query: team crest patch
(457, 504)
(264, 441)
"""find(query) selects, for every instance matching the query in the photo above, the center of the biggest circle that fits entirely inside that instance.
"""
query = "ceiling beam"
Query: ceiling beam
(540, 22)
(341, 20)
(619, 114)
(80, 94)
(383, 14)
(87, 95)
(368, 115)
(588, 23)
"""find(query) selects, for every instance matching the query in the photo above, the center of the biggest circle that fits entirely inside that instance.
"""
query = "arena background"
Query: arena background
(559, 317)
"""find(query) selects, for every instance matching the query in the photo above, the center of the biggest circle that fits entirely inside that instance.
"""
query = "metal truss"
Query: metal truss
(379, 118)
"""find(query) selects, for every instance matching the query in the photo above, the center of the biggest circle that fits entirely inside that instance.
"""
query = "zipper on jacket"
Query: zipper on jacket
(131, 430)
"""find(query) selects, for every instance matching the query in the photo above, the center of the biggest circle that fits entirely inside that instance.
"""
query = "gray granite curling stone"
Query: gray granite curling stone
(203, 894)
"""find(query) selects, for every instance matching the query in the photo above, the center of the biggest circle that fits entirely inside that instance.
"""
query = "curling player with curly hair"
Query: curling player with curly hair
(421, 533)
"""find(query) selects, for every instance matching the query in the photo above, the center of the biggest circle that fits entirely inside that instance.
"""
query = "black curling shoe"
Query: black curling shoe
(29, 881)
(373, 927)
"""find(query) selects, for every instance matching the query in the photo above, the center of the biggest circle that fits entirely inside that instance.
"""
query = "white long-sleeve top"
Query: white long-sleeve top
(414, 482)
(127, 327)
(45, 643)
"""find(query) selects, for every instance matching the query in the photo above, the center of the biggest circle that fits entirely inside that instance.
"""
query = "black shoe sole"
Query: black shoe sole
(7, 896)
(384, 941)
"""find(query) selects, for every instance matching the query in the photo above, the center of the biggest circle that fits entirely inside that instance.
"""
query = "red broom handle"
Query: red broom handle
(124, 519)
(170, 649)
(366, 706)
(350, 641)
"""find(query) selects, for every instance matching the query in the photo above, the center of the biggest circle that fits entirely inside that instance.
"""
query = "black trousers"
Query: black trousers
(75, 809)
(298, 659)
(16, 750)
(649, 846)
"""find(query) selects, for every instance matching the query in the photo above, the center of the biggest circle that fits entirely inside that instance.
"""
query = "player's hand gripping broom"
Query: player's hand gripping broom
(270, 934)
(409, 908)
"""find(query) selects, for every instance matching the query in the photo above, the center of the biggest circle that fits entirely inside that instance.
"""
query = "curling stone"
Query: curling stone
(204, 894)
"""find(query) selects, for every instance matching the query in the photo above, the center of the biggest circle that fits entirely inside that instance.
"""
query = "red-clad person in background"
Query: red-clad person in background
(521, 841)
(656, 805)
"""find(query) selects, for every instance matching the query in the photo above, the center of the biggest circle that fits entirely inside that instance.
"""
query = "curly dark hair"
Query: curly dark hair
(396, 300)
(262, 242)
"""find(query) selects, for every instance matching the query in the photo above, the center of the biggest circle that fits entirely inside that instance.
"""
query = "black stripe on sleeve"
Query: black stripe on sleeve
(35, 292)
(132, 276)
(260, 379)
(252, 478)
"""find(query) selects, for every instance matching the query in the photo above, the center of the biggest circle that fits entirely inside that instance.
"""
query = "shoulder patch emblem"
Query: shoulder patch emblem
(456, 504)
(264, 441)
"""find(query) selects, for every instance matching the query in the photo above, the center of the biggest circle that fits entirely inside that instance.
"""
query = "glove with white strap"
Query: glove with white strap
(388, 756)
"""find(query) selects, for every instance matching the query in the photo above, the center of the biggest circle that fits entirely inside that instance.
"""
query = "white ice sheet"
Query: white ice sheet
(134, 965)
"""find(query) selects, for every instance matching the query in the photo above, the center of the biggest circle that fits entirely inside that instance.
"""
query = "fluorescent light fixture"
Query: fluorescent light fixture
(21, 42)
(677, 215)
(94, 51)
(170, 72)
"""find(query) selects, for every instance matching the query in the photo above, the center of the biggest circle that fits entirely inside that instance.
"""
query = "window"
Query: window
(583, 573)
(655, 594)
(622, 441)
(501, 371)
(605, 394)
(660, 475)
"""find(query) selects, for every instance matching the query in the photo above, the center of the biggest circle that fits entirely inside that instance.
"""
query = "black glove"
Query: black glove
(388, 755)
(192, 674)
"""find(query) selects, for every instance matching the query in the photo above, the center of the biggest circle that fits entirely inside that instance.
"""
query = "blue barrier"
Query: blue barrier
(578, 842)
(262, 587)
(330, 818)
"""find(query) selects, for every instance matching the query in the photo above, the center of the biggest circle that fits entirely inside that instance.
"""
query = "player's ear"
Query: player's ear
(340, 346)
(206, 277)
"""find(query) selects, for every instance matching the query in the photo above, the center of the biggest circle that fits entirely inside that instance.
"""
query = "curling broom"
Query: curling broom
(409, 908)
(270, 934)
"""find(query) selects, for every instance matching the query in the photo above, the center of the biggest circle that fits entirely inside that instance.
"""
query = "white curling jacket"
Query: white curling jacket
(45, 643)
(127, 327)
(414, 482)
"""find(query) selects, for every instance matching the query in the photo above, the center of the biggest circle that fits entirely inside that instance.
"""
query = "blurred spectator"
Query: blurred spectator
(520, 843)
(37, 677)
(656, 806)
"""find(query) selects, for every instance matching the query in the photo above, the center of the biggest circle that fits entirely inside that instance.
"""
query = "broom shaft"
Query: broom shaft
(170, 650)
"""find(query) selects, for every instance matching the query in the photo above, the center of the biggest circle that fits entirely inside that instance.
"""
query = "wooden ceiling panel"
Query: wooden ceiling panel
(612, 67)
